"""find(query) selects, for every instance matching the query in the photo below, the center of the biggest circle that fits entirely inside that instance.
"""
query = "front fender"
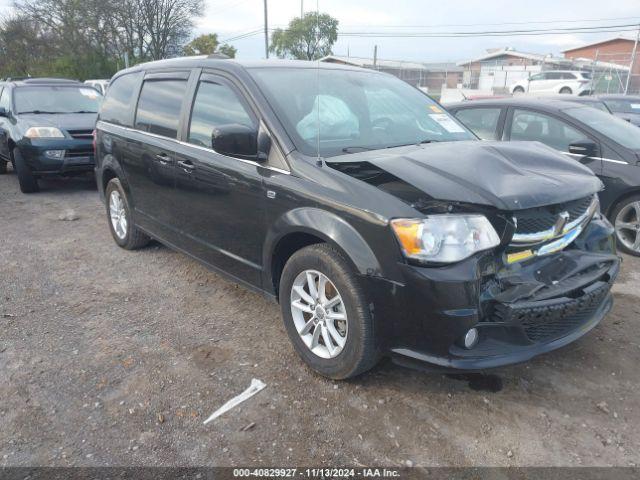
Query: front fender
(328, 226)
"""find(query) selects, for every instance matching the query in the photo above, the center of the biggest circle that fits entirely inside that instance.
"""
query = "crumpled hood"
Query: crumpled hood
(506, 175)
(64, 121)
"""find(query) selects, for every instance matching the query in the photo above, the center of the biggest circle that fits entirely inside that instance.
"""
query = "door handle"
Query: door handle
(186, 165)
(163, 158)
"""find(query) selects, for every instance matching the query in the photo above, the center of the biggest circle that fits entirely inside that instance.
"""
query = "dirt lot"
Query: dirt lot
(109, 357)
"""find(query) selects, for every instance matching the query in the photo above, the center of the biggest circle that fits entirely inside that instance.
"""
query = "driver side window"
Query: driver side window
(215, 104)
(534, 126)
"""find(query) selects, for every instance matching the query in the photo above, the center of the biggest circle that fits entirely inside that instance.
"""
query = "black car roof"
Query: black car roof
(236, 65)
(548, 103)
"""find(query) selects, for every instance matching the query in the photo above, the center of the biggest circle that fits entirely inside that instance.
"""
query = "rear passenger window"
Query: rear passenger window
(116, 107)
(481, 121)
(215, 104)
(159, 107)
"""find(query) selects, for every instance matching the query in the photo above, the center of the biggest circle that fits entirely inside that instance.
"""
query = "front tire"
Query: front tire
(625, 217)
(125, 233)
(326, 313)
(28, 183)
(518, 90)
(3, 167)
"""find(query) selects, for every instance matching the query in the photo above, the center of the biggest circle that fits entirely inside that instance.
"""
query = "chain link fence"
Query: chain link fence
(448, 81)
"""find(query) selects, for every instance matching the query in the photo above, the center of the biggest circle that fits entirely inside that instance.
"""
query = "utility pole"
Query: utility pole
(633, 61)
(266, 31)
(301, 8)
(375, 57)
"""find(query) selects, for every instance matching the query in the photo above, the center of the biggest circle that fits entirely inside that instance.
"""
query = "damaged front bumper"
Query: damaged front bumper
(519, 310)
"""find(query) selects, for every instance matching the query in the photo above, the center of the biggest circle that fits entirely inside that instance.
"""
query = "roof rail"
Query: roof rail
(218, 55)
(49, 80)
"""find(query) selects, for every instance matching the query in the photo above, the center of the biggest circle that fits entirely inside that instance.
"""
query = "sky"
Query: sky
(229, 18)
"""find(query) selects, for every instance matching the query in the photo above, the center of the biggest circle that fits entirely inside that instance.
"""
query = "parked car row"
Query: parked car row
(378, 220)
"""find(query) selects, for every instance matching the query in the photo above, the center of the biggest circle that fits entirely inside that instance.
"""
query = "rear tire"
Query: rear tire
(353, 348)
(28, 183)
(518, 90)
(566, 91)
(125, 233)
(3, 167)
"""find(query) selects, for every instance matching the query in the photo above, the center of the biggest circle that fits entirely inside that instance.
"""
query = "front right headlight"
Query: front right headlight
(444, 238)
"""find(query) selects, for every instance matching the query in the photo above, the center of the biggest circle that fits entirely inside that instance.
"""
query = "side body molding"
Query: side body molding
(327, 226)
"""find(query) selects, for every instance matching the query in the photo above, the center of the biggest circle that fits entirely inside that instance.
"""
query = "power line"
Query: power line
(539, 22)
(475, 35)
(501, 32)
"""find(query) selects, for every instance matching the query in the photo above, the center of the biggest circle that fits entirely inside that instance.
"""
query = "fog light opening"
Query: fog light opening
(55, 154)
(471, 338)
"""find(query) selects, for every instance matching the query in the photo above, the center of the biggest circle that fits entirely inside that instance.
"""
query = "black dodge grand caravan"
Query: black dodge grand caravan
(380, 224)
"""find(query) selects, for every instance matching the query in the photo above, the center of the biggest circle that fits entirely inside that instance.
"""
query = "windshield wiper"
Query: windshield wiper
(421, 142)
(36, 112)
(358, 149)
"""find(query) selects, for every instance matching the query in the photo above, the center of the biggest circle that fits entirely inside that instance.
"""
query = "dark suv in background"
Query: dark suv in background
(377, 220)
(46, 127)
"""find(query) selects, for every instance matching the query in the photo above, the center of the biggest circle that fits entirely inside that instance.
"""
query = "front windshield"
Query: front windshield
(624, 106)
(616, 129)
(57, 99)
(332, 112)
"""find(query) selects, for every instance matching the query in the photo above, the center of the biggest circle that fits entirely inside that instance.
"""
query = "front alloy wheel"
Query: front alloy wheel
(319, 314)
(326, 312)
(627, 225)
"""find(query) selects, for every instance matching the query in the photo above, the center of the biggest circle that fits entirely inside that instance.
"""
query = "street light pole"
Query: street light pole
(633, 61)
(266, 31)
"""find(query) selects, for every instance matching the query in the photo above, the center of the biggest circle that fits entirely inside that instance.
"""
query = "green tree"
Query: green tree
(308, 38)
(208, 44)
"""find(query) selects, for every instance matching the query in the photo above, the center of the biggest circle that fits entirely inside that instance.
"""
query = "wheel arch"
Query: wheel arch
(301, 227)
(619, 199)
(109, 170)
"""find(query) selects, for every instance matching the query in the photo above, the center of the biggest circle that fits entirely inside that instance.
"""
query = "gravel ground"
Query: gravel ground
(109, 357)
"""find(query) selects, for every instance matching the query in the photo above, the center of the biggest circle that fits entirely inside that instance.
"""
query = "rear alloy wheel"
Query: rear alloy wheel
(626, 220)
(566, 91)
(123, 230)
(326, 313)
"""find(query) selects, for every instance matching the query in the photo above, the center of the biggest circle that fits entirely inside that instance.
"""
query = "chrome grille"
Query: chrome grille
(539, 225)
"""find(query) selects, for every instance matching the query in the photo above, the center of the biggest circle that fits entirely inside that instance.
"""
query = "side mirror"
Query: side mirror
(3, 112)
(586, 148)
(236, 140)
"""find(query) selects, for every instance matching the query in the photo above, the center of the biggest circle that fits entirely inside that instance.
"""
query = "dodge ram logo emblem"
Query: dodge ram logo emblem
(561, 222)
